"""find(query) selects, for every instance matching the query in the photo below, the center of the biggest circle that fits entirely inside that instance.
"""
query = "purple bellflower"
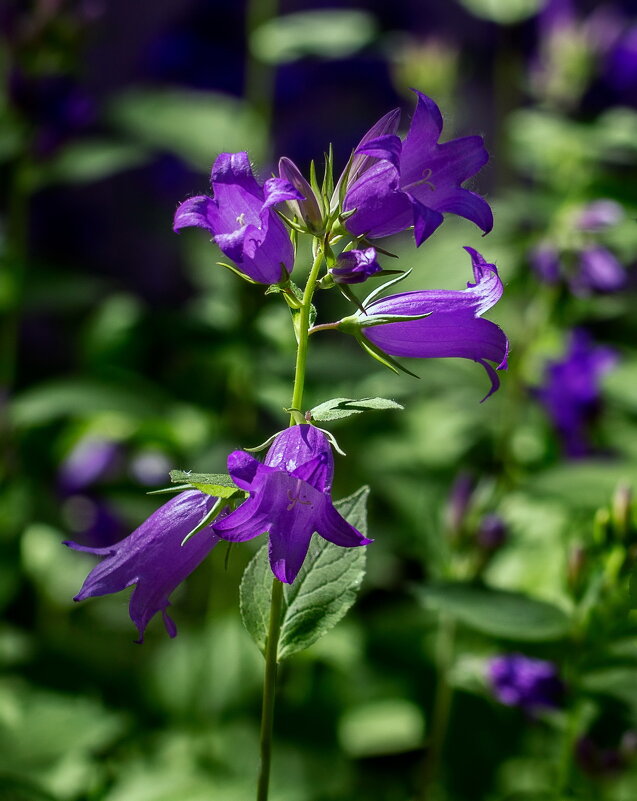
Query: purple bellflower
(571, 390)
(355, 266)
(153, 558)
(531, 684)
(454, 327)
(289, 498)
(393, 184)
(241, 218)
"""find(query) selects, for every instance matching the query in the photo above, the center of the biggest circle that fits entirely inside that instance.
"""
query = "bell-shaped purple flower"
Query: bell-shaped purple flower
(571, 391)
(242, 220)
(454, 327)
(355, 266)
(153, 558)
(394, 184)
(532, 684)
(289, 498)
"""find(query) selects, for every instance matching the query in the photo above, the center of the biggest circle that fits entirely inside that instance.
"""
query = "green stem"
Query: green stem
(442, 705)
(276, 603)
(269, 690)
(303, 333)
(15, 257)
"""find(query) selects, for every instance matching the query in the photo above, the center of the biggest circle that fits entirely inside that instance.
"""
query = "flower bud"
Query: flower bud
(492, 532)
(307, 210)
(622, 507)
(355, 266)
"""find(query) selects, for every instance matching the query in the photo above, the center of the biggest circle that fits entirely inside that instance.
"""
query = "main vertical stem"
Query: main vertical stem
(442, 707)
(269, 690)
(276, 602)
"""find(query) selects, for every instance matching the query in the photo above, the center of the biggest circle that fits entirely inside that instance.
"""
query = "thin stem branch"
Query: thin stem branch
(269, 690)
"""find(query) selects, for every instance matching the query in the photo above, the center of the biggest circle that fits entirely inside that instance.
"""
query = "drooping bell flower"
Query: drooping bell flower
(241, 218)
(571, 393)
(289, 498)
(153, 558)
(532, 684)
(355, 266)
(394, 184)
(453, 326)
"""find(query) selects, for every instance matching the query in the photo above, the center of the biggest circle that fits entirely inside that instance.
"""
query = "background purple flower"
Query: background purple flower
(571, 390)
(91, 459)
(531, 684)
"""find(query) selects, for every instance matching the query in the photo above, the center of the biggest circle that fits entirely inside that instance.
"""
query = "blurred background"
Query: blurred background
(125, 351)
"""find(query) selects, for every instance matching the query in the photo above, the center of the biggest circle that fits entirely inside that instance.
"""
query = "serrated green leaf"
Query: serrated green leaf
(338, 408)
(255, 592)
(321, 594)
(499, 613)
(218, 484)
(327, 584)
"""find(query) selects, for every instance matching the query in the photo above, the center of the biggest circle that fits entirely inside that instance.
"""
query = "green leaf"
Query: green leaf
(503, 11)
(89, 160)
(383, 726)
(194, 125)
(329, 33)
(327, 584)
(82, 398)
(321, 594)
(337, 408)
(499, 613)
(255, 592)
(218, 484)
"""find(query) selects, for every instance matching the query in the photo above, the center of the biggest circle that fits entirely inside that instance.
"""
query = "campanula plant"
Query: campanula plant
(313, 563)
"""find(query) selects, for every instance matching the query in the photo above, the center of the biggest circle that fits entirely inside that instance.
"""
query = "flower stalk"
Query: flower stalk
(276, 601)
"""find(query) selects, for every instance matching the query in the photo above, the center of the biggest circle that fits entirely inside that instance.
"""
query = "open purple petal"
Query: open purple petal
(453, 327)
(332, 526)
(387, 148)
(242, 220)
(196, 211)
(298, 445)
(289, 499)
(422, 174)
(153, 558)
